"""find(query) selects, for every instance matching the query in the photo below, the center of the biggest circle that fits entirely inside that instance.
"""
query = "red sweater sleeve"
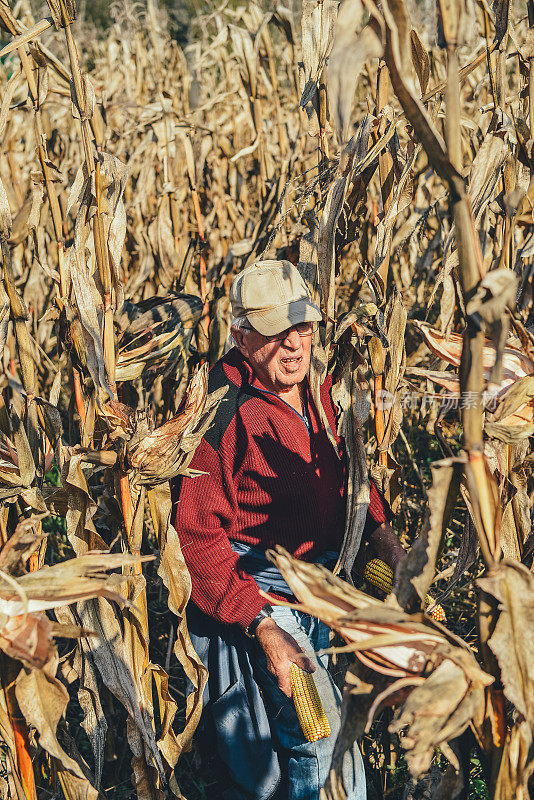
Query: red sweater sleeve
(378, 511)
(205, 510)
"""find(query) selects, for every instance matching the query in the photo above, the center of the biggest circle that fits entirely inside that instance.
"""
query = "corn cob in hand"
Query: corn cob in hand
(308, 705)
(380, 575)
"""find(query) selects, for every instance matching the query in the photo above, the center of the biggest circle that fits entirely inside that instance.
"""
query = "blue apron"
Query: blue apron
(233, 706)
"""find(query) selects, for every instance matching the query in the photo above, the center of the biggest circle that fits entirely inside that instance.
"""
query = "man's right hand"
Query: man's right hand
(281, 650)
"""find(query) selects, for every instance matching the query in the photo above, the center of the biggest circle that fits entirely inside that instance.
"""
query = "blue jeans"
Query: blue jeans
(308, 763)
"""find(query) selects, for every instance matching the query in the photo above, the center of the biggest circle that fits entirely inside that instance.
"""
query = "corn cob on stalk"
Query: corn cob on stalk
(308, 705)
(380, 575)
(434, 610)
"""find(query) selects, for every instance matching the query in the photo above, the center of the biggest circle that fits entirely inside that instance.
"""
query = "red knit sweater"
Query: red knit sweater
(268, 480)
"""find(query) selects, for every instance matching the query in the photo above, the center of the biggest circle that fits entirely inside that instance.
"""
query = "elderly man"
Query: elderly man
(271, 476)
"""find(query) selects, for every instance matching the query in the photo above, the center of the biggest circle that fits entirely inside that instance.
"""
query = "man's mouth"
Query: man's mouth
(292, 363)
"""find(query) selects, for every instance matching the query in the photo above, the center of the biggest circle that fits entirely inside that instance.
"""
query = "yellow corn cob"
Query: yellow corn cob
(308, 705)
(380, 575)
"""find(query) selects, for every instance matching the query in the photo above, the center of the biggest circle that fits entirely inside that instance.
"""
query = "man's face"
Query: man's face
(279, 365)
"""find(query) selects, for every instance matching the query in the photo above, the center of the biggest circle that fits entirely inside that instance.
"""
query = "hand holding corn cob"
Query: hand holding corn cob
(292, 668)
(282, 652)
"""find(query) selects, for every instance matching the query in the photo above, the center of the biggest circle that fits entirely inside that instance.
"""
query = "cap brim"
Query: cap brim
(270, 323)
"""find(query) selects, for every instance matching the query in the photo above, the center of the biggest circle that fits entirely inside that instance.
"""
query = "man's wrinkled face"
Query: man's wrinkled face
(280, 365)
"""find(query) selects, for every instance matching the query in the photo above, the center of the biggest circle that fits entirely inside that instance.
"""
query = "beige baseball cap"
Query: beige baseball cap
(273, 296)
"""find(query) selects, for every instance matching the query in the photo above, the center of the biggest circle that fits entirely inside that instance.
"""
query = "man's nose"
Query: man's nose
(292, 339)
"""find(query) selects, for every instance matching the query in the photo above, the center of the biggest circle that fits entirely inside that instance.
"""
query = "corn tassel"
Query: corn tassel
(380, 575)
(308, 705)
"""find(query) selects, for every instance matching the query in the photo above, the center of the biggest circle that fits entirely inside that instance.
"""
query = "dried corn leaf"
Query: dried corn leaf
(398, 58)
(507, 433)
(440, 709)
(5, 310)
(394, 367)
(94, 721)
(501, 9)
(495, 293)
(485, 499)
(75, 788)
(354, 43)
(382, 637)
(43, 700)
(112, 662)
(27, 638)
(512, 585)
(85, 293)
(80, 507)
(402, 196)
(67, 582)
(19, 547)
(25, 462)
(418, 569)
(176, 578)
(244, 46)
(168, 451)
(421, 60)
(6, 220)
(351, 396)
(361, 688)
(63, 12)
(493, 153)
(318, 28)
(326, 246)
(147, 766)
(515, 398)
(516, 765)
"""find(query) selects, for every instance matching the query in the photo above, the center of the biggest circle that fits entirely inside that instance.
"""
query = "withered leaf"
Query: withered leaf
(318, 25)
(64, 583)
(418, 569)
(176, 578)
(512, 585)
(421, 60)
(440, 709)
(6, 220)
(43, 700)
(19, 547)
(26, 464)
(513, 399)
(495, 292)
(516, 764)
(355, 42)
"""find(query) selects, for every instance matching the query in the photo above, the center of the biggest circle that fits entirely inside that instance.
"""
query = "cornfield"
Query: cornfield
(388, 152)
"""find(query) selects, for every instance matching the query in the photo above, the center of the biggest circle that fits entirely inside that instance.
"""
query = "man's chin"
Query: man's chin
(291, 379)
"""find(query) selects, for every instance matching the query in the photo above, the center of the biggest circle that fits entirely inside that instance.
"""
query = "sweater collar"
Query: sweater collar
(237, 368)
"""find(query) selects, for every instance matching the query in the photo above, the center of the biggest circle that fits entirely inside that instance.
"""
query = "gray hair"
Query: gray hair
(237, 324)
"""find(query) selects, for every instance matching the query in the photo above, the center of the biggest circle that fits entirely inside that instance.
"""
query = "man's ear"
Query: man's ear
(239, 338)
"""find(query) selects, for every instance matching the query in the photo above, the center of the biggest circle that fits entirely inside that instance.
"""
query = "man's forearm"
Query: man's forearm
(386, 545)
